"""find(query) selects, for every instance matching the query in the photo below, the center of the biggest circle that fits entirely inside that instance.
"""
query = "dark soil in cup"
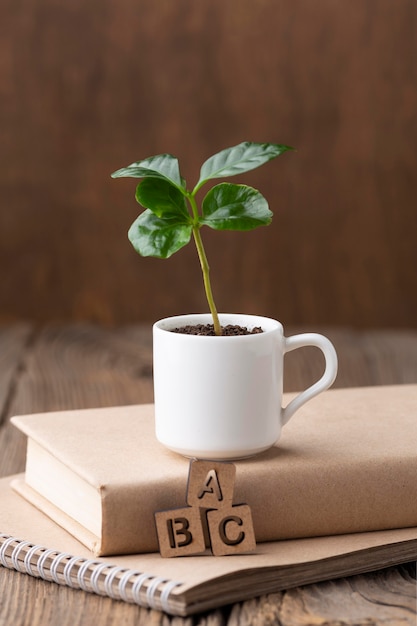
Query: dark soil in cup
(208, 330)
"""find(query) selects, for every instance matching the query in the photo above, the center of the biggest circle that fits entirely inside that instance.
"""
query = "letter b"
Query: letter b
(178, 526)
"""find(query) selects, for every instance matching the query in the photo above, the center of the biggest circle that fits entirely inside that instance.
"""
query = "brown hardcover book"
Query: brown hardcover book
(32, 543)
(346, 463)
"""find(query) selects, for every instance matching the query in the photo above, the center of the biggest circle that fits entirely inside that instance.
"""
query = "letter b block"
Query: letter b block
(231, 530)
(180, 532)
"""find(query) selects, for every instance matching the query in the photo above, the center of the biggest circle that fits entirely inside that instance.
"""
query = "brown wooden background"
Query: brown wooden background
(88, 87)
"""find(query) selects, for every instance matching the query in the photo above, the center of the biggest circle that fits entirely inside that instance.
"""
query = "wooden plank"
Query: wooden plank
(77, 367)
(391, 356)
(386, 597)
(82, 365)
(304, 366)
(13, 343)
(85, 366)
(365, 358)
(39, 603)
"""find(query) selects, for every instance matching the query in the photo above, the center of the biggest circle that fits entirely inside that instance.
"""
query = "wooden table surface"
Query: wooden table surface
(68, 367)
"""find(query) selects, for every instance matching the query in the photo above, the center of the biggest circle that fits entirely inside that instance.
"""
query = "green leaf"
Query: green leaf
(161, 166)
(241, 158)
(161, 197)
(235, 207)
(151, 235)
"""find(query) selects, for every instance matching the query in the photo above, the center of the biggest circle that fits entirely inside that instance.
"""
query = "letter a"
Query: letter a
(211, 486)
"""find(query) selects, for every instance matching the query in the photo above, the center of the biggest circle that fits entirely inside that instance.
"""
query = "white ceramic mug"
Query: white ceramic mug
(220, 398)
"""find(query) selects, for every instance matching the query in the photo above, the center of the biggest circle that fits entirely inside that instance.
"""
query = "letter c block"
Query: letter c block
(180, 532)
(231, 530)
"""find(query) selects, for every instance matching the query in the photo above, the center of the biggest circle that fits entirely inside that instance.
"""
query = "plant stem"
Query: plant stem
(204, 265)
(206, 278)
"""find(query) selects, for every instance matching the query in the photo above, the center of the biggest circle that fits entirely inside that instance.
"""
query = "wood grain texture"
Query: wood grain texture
(13, 345)
(86, 89)
(64, 367)
(387, 597)
(77, 367)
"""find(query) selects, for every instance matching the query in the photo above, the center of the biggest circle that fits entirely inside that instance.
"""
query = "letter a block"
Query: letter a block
(180, 532)
(210, 484)
(231, 530)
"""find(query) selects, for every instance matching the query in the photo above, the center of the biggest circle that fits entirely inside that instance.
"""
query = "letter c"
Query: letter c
(223, 534)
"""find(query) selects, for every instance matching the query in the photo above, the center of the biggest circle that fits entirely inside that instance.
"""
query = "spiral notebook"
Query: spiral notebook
(33, 544)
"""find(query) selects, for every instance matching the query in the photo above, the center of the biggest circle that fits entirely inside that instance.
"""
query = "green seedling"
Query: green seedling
(172, 215)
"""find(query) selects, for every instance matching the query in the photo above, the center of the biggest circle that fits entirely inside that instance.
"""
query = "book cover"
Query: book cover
(346, 463)
(31, 543)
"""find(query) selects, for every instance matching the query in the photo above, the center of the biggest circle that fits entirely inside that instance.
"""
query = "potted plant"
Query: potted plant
(217, 377)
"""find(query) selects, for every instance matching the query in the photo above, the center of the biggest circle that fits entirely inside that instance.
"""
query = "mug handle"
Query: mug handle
(326, 346)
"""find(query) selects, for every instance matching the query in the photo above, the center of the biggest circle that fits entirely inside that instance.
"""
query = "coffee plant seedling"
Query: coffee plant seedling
(172, 215)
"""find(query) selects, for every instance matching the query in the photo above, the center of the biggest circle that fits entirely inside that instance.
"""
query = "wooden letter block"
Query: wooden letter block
(210, 484)
(180, 532)
(231, 530)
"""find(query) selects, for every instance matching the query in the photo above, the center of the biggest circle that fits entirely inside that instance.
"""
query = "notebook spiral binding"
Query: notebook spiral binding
(89, 575)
